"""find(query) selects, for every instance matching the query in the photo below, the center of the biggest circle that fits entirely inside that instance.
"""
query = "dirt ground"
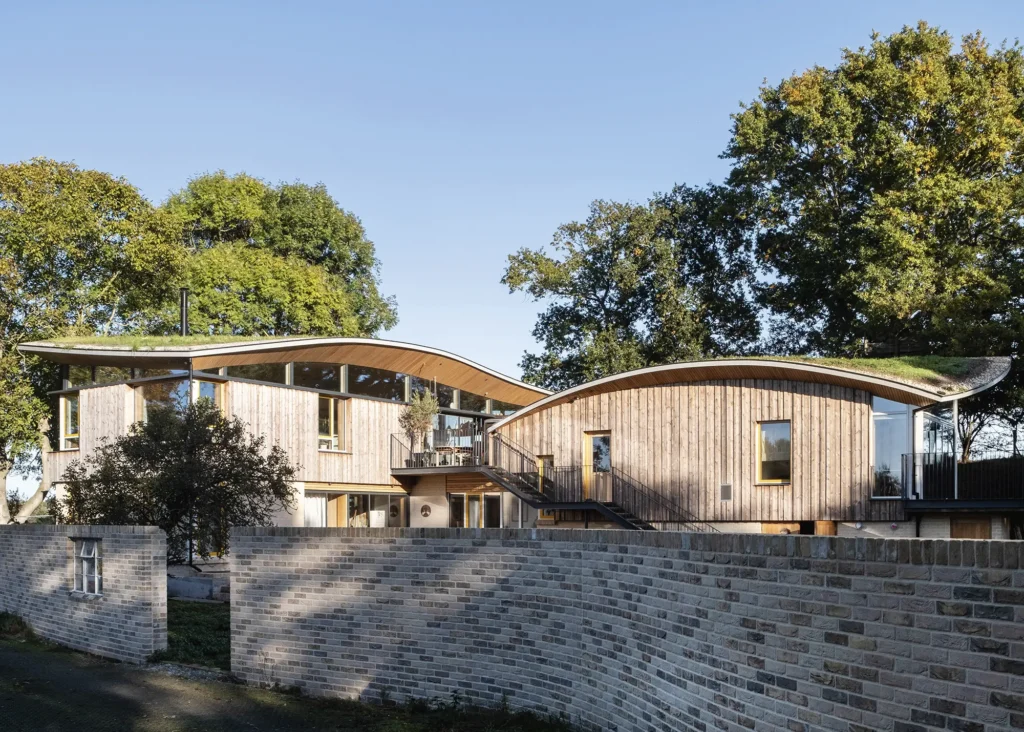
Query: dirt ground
(47, 689)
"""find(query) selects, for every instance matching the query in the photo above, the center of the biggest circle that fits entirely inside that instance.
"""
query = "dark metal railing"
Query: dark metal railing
(633, 496)
(446, 447)
(984, 477)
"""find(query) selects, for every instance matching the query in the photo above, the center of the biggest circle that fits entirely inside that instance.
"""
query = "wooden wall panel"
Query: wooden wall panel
(685, 440)
(104, 412)
(288, 417)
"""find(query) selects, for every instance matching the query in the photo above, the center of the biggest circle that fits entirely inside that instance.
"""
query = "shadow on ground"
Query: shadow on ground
(47, 689)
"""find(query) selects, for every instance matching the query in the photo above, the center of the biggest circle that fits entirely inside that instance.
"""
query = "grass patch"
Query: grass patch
(198, 633)
(139, 342)
(933, 370)
(13, 627)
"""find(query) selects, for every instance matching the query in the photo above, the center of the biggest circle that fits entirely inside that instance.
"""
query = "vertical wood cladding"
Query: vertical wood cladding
(685, 440)
(289, 418)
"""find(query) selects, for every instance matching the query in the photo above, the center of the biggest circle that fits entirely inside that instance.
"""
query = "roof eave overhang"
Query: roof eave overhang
(740, 368)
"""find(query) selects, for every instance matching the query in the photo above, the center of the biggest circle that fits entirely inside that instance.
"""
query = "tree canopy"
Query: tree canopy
(83, 252)
(887, 186)
(193, 472)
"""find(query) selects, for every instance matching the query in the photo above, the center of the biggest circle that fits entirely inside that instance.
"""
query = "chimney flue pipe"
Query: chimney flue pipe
(184, 311)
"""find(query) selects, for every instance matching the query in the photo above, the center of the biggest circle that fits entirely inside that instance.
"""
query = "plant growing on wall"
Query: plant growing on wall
(418, 417)
(194, 473)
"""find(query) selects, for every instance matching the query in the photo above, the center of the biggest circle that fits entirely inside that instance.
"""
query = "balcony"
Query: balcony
(442, 450)
(940, 481)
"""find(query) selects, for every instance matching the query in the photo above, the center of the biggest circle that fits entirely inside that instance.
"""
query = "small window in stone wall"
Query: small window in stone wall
(88, 566)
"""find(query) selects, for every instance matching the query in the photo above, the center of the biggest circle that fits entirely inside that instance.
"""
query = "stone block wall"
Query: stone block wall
(643, 630)
(128, 622)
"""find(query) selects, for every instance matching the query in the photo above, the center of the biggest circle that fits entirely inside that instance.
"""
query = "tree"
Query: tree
(619, 294)
(418, 417)
(887, 186)
(193, 472)
(295, 224)
(80, 252)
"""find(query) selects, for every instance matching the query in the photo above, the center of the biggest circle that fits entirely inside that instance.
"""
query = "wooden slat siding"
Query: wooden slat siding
(685, 440)
(104, 412)
(288, 417)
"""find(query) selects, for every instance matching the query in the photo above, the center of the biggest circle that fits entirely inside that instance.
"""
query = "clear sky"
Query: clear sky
(457, 131)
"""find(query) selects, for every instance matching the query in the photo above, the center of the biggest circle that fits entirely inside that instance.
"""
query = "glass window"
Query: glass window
(79, 375)
(601, 453)
(492, 511)
(111, 374)
(376, 383)
(314, 509)
(396, 512)
(70, 419)
(516, 512)
(155, 395)
(325, 376)
(359, 510)
(456, 510)
(212, 390)
(773, 452)
(473, 512)
(504, 408)
(274, 373)
(891, 443)
(332, 424)
(380, 507)
(445, 394)
(149, 373)
(470, 402)
(88, 567)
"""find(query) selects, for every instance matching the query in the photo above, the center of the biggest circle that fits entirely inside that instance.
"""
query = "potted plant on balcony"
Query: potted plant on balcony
(416, 420)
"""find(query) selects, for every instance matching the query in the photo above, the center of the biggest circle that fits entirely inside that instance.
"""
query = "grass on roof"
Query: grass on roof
(937, 370)
(136, 342)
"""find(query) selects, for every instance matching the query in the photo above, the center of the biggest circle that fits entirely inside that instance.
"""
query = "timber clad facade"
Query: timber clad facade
(737, 445)
(685, 441)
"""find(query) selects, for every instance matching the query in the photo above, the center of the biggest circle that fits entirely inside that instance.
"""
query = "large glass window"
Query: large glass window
(326, 376)
(156, 395)
(774, 450)
(891, 424)
(445, 394)
(314, 512)
(332, 424)
(274, 373)
(359, 510)
(492, 511)
(471, 402)
(79, 375)
(69, 422)
(457, 510)
(376, 383)
(111, 374)
(601, 453)
(210, 390)
(503, 408)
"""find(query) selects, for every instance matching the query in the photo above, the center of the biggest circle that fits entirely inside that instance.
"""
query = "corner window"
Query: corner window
(69, 419)
(773, 453)
(332, 424)
(211, 390)
(154, 396)
(891, 423)
(88, 567)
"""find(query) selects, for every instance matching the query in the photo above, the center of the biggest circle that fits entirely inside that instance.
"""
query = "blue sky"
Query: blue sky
(457, 131)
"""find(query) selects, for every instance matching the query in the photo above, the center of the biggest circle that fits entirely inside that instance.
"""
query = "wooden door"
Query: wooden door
(970, 528)
(597, 466)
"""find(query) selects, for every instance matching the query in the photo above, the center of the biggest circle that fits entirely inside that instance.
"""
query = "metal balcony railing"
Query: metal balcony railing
(984, 477)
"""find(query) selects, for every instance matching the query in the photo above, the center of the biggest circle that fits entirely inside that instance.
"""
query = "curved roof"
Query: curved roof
(406, 358)
(983, 374)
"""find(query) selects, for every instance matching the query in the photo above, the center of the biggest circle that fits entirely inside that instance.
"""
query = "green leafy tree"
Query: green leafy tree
(418, 417)
(288, 227)
(617, 296)
(887, 186)
(80, 252)
(194, 473)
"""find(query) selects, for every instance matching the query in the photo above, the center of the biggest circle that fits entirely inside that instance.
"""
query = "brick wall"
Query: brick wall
(643, 631)
(128, 622)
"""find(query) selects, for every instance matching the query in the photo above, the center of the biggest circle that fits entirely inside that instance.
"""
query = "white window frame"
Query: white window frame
(88, 567)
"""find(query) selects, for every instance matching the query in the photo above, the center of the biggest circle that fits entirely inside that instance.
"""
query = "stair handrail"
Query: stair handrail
(645, 502)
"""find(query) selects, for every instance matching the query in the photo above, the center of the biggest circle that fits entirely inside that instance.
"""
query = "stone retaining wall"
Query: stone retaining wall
(128, 622)
(643, 630)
